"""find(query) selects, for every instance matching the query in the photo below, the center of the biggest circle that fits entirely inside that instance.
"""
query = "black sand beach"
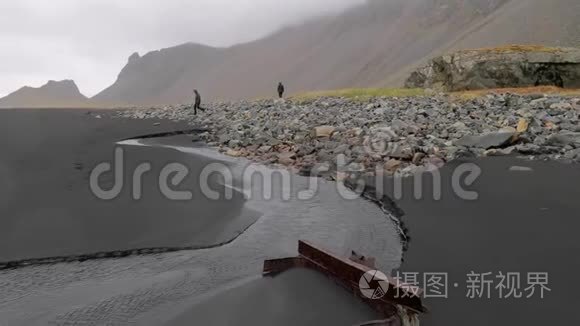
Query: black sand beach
(522, 222)
(48, 210)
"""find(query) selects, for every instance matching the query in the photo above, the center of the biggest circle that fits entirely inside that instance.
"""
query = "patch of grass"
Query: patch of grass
(518, 48)
(361, 93)
(469, 95)
(364, 94)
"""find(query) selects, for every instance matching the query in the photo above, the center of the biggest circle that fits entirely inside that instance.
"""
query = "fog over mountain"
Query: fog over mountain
(374, 44)
(89, 41)
(327, 45)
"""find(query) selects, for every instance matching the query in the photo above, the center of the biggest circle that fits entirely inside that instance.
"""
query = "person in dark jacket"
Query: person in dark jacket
(281, 90)
(197, 103)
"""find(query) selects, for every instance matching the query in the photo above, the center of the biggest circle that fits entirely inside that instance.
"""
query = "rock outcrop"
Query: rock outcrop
(510, 66)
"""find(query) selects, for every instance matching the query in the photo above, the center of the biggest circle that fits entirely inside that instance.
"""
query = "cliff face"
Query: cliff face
(164, 76)
(513, 66)
(376, 44)
(53, 94)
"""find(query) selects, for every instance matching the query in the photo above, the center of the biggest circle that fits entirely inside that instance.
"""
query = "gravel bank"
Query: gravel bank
(350, 140)
(394, 135)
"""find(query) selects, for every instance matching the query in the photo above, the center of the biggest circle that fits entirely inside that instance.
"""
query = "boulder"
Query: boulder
(435, 162)
(418, 158)
(488, 140)
(573, 154)
(529, 149)
(234, 153)
(459, 126)
(392, 165)
(523, 125)
(500, 151)
(561, 106)
(341, 149)
(565, 138)
(509, 66)
(287, 158)
(323, 131)
(399, 151)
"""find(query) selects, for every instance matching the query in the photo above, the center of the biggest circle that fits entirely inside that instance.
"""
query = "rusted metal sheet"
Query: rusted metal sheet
(347, 274)
(276, 266)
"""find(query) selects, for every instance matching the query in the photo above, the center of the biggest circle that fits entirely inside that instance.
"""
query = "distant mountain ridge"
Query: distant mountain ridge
(60, 94)
(375, 44)
(152, 78)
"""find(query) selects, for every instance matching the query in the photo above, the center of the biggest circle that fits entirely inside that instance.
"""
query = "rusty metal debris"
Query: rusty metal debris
(400, 307)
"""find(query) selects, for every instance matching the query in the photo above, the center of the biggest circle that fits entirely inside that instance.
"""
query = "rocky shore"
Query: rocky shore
(352, 140)
(398, 136)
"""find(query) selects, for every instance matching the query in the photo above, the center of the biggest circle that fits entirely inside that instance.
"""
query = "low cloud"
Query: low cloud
(90, 40)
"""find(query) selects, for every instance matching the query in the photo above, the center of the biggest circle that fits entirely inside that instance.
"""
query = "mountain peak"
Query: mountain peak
(378, 43)
(63, 93)
(61, 82)
(134, 57)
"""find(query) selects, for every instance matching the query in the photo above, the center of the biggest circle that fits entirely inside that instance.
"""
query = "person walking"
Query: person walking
(197, 103)
(281, 90)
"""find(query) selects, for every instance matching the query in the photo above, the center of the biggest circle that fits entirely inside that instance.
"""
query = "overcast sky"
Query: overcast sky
(90, 40)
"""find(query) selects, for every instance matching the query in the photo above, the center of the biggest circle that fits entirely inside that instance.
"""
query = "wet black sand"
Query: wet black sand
(47, 208)
(297, 297)
(522, 222)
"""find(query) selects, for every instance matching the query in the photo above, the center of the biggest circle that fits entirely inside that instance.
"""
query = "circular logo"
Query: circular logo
(373, 285)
